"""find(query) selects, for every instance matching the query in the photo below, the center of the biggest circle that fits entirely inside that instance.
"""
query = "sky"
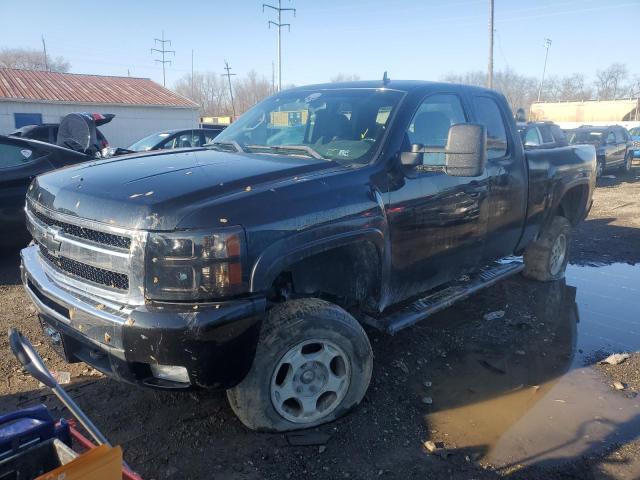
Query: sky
(422, 40)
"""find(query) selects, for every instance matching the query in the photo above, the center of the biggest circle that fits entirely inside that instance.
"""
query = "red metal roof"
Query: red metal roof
(31, 85)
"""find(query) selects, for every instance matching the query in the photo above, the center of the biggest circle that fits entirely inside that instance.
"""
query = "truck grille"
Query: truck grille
(103, 238)
(96, 275)
(636, 144)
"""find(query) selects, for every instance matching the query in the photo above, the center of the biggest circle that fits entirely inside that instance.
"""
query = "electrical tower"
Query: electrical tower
(229, 75)
(163, 51)
(279, 26)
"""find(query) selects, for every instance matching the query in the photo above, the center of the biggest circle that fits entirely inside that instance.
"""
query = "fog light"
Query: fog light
(171, 373)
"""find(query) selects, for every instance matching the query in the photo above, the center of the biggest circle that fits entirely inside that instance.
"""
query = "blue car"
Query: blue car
(635, 136)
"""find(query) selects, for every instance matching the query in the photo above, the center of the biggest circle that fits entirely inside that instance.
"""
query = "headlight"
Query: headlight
(195, 265)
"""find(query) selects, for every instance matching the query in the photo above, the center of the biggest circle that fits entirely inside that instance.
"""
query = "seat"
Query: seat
(331, 126)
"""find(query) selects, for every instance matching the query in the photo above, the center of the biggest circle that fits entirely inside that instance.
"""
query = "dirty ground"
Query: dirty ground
(513, 395)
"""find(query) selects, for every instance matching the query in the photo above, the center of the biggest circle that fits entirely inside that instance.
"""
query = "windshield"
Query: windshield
(147, 143)
(635, 132)
(345, 125)
(584, 136)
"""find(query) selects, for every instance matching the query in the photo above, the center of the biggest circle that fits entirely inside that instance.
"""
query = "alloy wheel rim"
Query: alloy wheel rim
(558, 254)
(310, 381)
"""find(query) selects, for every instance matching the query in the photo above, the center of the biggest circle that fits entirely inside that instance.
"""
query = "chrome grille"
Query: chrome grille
(99, 276)
(636, 144)
(83, 255)
(86, 233)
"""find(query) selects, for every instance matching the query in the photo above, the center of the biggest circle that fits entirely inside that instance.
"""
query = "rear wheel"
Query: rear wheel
(313, 364)
(546, 259)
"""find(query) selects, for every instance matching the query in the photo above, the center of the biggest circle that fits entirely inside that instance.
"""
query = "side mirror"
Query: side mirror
(530, 144)
(414, 157)
(466, 150)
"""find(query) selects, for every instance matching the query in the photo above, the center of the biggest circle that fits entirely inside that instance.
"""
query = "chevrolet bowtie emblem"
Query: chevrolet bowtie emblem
(50, 240)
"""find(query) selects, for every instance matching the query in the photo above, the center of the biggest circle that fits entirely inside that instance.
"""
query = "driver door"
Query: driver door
(437, 221)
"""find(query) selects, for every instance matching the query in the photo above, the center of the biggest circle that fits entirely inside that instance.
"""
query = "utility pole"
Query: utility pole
(273, 77)
(547, 44)
(163, 51)
(192, 74)
(46, 61)
(229, 75)
(279, 26)
(491, 30)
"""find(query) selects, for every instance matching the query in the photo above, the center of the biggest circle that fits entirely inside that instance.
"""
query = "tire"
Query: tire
(600, 168)
(331, 380)
(546, 259)
(628, 160)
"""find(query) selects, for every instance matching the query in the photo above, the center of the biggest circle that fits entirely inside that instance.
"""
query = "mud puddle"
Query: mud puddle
(539, 399)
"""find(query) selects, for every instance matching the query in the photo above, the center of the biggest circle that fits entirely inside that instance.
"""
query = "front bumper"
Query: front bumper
(215, 342)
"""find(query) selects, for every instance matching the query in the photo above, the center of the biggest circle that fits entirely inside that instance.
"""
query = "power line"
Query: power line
(229, 75)
(163, 51)
(279, 26)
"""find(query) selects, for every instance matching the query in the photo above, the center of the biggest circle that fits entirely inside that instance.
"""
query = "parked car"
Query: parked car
(635, 137)
(250, 266)
(48, 132)
(542, 135)
(613, 145)
(169, 139)
(21, 160)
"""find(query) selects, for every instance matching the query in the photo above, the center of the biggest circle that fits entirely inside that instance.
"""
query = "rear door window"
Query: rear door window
(546, 135)
(532, 138)
(488, 114)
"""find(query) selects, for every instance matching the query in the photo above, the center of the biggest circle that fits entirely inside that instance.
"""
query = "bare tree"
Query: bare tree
(208, 90)
(609, 82)
(476, 77)
(250, 90)
(211, 92)
(29, 59)
(519, 90)
(343, 77)
(574, 88)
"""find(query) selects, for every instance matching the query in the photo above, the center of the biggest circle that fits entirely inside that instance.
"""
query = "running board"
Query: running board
(434, 302)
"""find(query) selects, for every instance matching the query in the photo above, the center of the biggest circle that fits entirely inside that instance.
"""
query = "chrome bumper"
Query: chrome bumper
(98, 320)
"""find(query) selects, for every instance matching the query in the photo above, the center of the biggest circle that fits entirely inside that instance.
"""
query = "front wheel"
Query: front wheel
(628, 159)
(312, 365)
(599, 168)
(546, 259)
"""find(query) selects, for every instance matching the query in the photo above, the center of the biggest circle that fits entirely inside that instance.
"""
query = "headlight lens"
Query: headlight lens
(195, 265)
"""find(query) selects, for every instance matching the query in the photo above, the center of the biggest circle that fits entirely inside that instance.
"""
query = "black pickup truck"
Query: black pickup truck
(250, 265)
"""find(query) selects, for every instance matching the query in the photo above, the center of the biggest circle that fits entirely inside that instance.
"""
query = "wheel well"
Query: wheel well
(348, 275)
(574, 203)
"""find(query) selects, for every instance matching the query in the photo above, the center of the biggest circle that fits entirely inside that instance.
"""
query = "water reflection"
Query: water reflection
(537, 397)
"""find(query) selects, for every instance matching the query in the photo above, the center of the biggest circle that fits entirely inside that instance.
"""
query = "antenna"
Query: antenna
(163, 51)
(279, 26)
(229, 75)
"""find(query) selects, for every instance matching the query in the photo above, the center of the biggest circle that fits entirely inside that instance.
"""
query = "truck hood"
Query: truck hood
(155, 191)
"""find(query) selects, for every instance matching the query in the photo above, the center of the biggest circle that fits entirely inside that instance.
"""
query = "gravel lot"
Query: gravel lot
(484, 379)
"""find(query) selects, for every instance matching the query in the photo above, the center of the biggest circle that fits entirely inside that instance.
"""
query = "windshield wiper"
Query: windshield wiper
(295, 149)
(231, 143)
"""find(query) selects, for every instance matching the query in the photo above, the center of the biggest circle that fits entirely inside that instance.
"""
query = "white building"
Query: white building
(141, 106)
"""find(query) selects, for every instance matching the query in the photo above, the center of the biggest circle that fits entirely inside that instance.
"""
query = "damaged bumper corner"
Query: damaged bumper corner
(214, 342)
